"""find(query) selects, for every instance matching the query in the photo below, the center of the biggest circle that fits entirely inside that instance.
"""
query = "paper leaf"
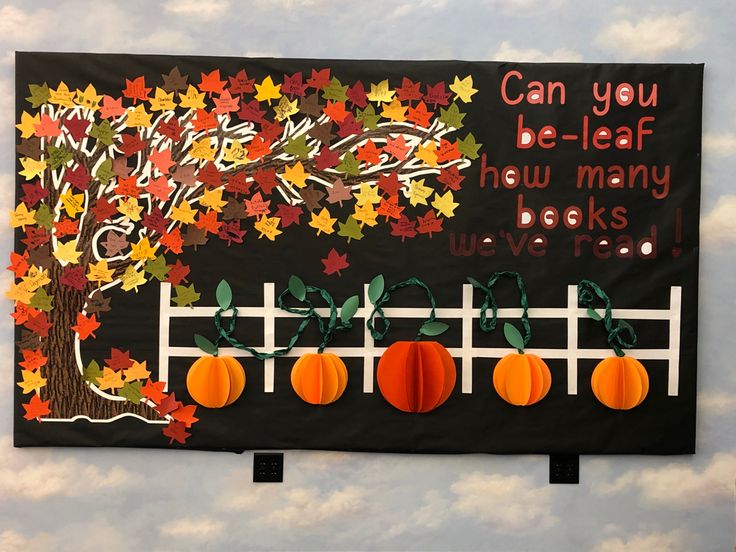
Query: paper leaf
(297, 288)
(224, 295)
(349, 308)
(433, 328)
(594, 315)
(513, 336)
(375, 288)
(205, 344)
(473, 282)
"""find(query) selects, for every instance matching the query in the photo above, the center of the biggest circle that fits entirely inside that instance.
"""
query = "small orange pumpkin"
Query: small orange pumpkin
(416, 376)
(319, 378)
(522, 379)
(215, 381)
(620, 383)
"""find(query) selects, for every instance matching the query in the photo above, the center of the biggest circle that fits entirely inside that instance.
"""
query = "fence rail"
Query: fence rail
(466, 352)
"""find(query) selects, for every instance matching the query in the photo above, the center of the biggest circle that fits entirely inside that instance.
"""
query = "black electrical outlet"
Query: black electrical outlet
(268, 467)
(564, 468)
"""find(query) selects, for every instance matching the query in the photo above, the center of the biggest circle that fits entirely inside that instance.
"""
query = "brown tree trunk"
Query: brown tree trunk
(68, 393)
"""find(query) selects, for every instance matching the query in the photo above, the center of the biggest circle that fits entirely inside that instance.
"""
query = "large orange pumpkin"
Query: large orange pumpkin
(416, 376)
(620, 383)
(319, 378)
(521, 379)
(215, 381)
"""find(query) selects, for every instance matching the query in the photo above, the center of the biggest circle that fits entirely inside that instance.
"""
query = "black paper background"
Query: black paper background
(477, 422)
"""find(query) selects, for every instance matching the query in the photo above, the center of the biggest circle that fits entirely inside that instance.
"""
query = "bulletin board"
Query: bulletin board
(424, 256)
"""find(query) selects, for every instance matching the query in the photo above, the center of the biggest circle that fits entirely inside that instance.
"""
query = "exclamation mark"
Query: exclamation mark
(677, 250)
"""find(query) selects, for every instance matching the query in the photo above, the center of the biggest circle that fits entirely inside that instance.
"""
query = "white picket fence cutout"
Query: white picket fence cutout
(466, 353)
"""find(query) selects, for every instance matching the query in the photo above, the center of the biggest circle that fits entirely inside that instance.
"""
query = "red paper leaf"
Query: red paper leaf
(335, 262)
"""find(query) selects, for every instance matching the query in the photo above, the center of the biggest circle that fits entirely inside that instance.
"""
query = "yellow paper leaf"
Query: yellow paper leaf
(445, 204)
(138, 117)
(67, 252)
(395, 111)
(88, 98)
(267, 90)
(193, 99)
(285, 109)
(183, 213)
(111, 379)
(32, 168)
(35, 278)
(268, 226)
(137, 371)
(365, 214)
(367, 194)
(235, 153)
(380, 92)
(213, 199)
(142, 251)
(132, 278)
(62, 96)
(22, 216)
(202, 149)
(19, 293)
(323, 222)
(418, 192)
(130, 208)
(463, 89)
(296, 175)
(27, 125)
(32, 381)
(427, 153)
(72, 203)
(100, 272)
(162, 101)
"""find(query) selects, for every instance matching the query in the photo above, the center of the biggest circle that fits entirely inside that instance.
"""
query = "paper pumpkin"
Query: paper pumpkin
(522, 379)
(215, 381)
(620, 383)
(416, 376)
(319, 378)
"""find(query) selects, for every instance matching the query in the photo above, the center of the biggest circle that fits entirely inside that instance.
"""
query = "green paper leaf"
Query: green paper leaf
(58, 157)
(92, 372)
(350, 229)
(103, 132)
(104, 172)
(335, 91)
(513, 336)
(44, 217)
(368, 117)
(224, 295)
(375, 288)
(298, 147)
(349, 308)
(469, 147)
(433, 328)
(473, 282)
(131, 391)
(297, 288)
(42, 300)
(39, 94)
(205, 344)
(349, 164)
(157, 268)
(594, 315)
(185, 296)
(452, 116)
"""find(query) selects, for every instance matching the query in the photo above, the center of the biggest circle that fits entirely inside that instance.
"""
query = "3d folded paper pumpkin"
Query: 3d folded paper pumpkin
(416, 376)
(522, 379)
(216, 381)
(620, 383)
(319, 378)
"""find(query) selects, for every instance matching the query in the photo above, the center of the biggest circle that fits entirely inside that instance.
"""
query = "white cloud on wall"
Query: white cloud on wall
(650, 37)
(200, 528)
(206, 10)
(678, 485)
(509, 504)
(673, 541)
(721, 144)
(507, 52)
(718, 226)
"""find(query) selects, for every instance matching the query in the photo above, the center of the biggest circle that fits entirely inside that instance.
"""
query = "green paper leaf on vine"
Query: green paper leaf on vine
(297, 288)
(513, 336)
(375, 288)
(224, 295)
(594, 315)
(473, 282)
(92, 372)
(431, 329)
(205, 344)
(349, 308)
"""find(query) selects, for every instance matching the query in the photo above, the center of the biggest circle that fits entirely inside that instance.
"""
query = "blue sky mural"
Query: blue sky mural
(81, 500)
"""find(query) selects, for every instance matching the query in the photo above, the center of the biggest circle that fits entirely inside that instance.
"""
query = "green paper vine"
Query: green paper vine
(588, 292)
